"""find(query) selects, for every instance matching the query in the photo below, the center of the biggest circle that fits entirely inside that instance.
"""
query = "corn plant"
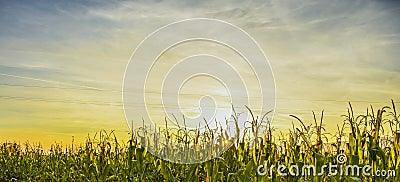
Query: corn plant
(103, 157)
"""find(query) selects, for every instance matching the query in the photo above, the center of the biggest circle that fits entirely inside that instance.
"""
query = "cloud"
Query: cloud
(319, 50)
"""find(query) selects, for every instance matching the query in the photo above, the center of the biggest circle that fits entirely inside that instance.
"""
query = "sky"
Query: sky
(62, 63)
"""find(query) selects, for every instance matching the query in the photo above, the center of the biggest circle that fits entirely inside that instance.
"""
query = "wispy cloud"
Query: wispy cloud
(319, 50)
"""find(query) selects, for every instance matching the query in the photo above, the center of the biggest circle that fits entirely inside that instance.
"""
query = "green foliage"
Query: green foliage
(103, 158)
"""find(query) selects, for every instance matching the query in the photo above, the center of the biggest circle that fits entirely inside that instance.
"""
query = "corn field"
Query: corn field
(104, 158)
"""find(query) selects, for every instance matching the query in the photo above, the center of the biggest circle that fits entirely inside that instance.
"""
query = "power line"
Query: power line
(60, 101)
(90, 88)
(149, 92)
(333, 100)
(100, 103)
(53, 87)
(49, 81)
(117, 104)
